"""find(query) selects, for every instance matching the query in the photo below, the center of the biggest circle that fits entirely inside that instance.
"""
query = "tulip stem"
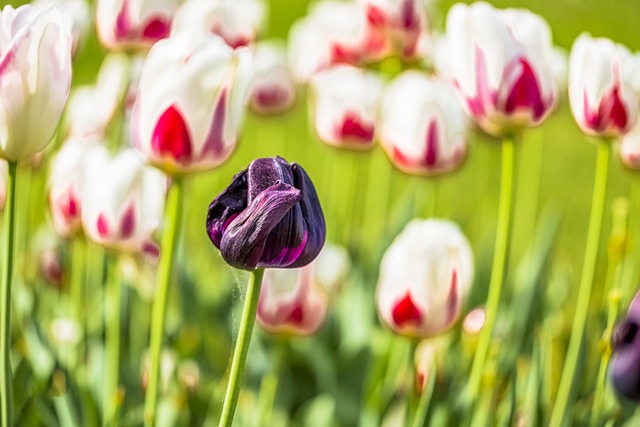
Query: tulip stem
(112, 316)
(498, 269)
(77, 285)
(173, 222)
(564, 397)
(6, 392)
(242, 347)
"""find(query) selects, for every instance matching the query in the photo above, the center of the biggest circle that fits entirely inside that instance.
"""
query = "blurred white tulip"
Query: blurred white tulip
(272, 89)
(79, 14)
(629, 149)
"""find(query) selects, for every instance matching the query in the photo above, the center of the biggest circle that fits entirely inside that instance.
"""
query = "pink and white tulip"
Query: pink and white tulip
(422, 125)
(272, 90)
(122, 202)
(629, 149)
(238, 22)
(501, 63)
(601, 93)
(345, 106)
(35, 77)
(424, 277)
(191, 102)
(134, 24)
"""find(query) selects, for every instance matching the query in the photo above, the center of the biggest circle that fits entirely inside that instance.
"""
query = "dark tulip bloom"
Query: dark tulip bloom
(269, 216)
(625, 368)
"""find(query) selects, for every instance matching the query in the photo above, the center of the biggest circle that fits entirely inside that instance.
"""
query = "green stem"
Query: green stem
(412, 395)
(242, 347)
(6, 384)
(112, 319)
(425, 398)
(498, 269)
(78, 248)
(173, 222)
(563, 399)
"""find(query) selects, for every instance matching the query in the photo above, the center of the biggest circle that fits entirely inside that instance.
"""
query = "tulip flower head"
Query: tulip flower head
(601, 92)
(346, 102)
(501, 63)
(134, 24)
(268, 217)
(625, 364)
(238, 22)
(292, 302)
(424, 277)
(191, 102)
(629, 149)
(122, 202)
(35, 77)
(422, 125)
(272, 89)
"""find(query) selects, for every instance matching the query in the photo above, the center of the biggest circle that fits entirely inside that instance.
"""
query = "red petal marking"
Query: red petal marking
(270, 97)
(171, 136)
(406, 312)
(611, 112)
(483, 95)
(103, 226)
(215, 140)
(526, 92)
(151, 249)
(453, 300)
(343, 54)
(128, 222)
(353, 127)
(432, 144)
(375, 16)
(408, 14)
(296, 315)
(239, 41)
(123, 24)
(156, 29)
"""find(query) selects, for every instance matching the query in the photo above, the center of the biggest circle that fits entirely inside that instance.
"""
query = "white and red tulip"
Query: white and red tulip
(272, 90)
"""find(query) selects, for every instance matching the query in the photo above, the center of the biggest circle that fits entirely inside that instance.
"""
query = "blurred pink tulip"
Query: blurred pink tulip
(501, 63)
(422, 125)
(272, 90)
(629, 149)
(424, 277)
(191, 102)
(345, 106)
(133, 24)
(35, 76)
(601, 92)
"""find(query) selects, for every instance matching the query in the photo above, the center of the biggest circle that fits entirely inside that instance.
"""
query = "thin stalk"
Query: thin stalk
(412, 395)
(425, 398)
(242, 348)
(77, 286)
(498, 269)
(112, 320)
(6, 383)
(173, 222)
(563, 402)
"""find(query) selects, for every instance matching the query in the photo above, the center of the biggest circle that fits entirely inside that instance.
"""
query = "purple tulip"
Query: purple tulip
(269, 216)
(625, 367)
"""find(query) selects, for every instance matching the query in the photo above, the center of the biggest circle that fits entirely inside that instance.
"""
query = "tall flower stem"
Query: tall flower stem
(6, 384)
(498, 269)
(173, 221)
(242, 347)
(563, 399)
(112, 319)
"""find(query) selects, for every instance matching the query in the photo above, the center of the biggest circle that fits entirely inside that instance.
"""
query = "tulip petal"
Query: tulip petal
(224, 208)
(171, 136)
(243, 242)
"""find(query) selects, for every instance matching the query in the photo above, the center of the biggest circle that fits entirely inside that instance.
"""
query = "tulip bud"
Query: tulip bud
(602, 99)
(501, 65)
(424, 277)
(65, 181)
(272, 89)
(122, 202)
(630, 148)
(422, 125)
(191, 102)
(133, 24)
(79, 16)
(269, 216)
(35, 76)
(346, 102)
(625, 365)
(333, 32)
(292, 302)
(425, 361)
(51, 266)
(238, 22)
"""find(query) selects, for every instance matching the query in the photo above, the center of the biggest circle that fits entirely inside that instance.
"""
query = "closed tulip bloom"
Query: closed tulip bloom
(424, 277)
(625, 364)
(134, 24)
(122, 202)
(35, 76)
(238, 22)
(346, 102)
(191, 102)
(630, 148)
(272, 89)
(65, 181)
(501, 62)
(292, 302)
(422, 125)
(269, 216)
(602, 98)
